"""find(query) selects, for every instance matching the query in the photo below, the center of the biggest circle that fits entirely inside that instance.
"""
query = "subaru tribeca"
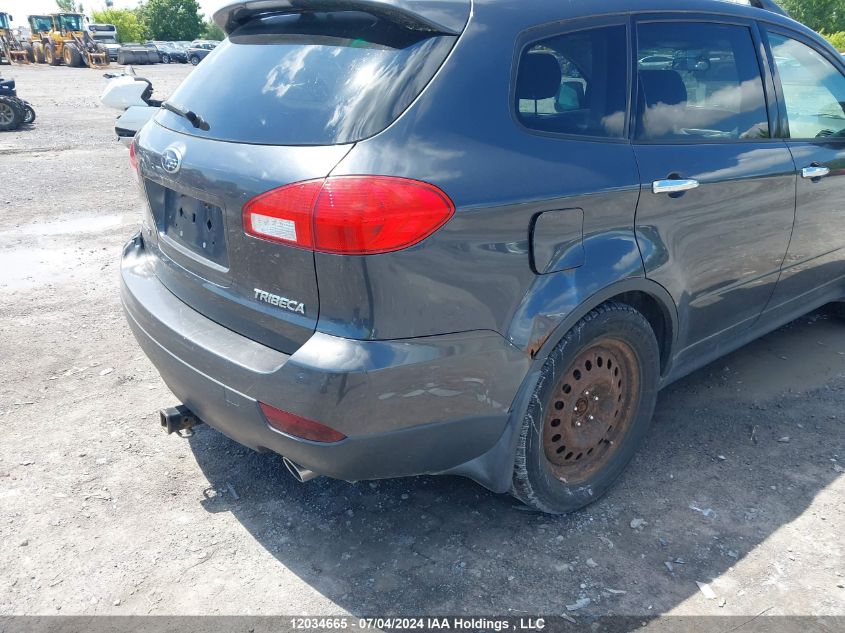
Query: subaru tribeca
(473, 237)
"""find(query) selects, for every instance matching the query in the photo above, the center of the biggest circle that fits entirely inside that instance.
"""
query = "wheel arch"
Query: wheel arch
(648, 297)
(494, 469)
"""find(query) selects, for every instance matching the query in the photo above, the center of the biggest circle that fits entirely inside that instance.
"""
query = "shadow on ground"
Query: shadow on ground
(447, 546)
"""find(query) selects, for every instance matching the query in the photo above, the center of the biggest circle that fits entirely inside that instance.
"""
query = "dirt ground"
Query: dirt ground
(739, 485)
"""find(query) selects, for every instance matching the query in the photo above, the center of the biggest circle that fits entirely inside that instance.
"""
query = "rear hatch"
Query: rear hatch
(282, 100)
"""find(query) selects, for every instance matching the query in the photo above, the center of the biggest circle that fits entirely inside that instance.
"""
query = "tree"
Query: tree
(171, 19)
(129, 27)
(70, 6)
(819, 15)
(210, 31)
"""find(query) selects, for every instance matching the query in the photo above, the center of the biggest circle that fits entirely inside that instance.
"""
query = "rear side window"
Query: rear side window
(308, 79)
(575, 83)
(813, 90)
(699, 81)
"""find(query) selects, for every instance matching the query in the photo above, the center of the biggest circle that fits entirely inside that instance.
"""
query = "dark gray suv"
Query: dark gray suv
(476, 237)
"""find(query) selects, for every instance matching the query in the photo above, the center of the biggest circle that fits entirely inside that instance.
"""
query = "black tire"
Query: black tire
(38, 53)
(30, 54)
(28, 115)
(50, 55)
(552, 477)
(165, 58)
(11, 116)
(71, 56)
(194, 60)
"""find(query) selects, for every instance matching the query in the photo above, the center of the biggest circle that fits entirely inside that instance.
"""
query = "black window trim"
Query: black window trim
(526, 39)
(836, 61)
(772, 103)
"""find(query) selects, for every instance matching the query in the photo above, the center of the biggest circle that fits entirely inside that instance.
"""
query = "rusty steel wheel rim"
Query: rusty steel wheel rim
(591, 411)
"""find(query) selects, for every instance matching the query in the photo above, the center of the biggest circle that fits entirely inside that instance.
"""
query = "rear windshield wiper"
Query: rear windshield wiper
(193, 118)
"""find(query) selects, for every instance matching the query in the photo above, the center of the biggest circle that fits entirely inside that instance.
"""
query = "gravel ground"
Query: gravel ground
(739, 484)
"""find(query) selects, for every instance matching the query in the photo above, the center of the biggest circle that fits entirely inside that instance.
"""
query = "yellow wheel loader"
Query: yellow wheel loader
(11, 49)
(69, 42)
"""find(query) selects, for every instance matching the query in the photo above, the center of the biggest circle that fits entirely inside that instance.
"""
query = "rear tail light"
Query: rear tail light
(349, 215)
(133, 159)
(297, 426)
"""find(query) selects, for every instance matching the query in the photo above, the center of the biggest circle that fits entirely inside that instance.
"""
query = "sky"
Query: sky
(22, 8)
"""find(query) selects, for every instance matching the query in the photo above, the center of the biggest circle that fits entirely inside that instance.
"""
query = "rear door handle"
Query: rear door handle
(815, 171)
(673, 186)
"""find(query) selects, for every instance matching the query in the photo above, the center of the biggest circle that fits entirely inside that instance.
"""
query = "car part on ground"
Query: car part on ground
(137, 54)
(132, 95)
(558, 260)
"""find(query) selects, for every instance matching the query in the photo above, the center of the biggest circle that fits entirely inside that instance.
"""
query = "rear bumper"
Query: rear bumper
(407, 407)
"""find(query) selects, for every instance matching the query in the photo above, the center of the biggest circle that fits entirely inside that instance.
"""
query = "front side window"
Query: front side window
(575, 83)
(698, 81)
(813, 90)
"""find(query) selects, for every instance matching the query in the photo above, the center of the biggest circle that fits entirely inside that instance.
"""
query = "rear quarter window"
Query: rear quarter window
(308, 79)
(575, 84)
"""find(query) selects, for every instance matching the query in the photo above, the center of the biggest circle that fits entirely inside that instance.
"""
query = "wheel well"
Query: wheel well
(657, 316)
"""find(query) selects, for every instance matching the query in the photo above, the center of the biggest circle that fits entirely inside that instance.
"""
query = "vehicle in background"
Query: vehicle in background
(168, 52)
(11, 48)
(199, 50)
(106, 34)
(135, 53)
(68, 41)
(39, 28)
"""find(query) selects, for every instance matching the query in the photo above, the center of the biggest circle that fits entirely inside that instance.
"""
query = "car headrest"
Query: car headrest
(662, 86)
(539, 77)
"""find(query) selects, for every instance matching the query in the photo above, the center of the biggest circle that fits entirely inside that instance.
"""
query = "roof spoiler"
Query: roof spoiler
(437, 16)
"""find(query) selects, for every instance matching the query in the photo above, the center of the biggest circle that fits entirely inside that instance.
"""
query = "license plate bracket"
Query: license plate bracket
(196, 225)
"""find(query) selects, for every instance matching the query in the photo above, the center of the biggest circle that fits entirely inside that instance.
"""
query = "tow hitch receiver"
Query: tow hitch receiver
(177, 419)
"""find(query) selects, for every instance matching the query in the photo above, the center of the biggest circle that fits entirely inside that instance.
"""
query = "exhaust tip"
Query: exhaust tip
(299, 473)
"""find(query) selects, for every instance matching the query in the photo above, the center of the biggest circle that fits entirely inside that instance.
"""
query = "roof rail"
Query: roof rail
(769, 5)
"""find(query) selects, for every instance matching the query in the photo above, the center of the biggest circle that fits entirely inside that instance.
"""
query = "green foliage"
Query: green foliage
(836, 39)
(819, 15)
(70, 6)
(210, 31)
(171, 19)
(129, 27)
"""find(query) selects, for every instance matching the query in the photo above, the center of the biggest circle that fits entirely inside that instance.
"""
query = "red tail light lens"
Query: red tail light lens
(349, 215)
(133, 157)
(298, 426)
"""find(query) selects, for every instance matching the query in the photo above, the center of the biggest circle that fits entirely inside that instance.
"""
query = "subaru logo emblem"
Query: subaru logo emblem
(171, 160)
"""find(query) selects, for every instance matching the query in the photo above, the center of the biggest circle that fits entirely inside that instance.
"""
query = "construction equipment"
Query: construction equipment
(70, 42)
(40, 27)
(11, 50)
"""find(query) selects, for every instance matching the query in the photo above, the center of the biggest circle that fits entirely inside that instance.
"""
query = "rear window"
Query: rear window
(308, 79)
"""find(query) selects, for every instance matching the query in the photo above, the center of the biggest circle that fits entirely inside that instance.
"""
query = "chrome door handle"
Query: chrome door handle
(673, 186)
(815, 171)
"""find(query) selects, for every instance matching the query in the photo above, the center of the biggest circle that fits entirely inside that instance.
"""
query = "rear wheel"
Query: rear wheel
(50, 55)
(38, 53)
(194, 60)
(10, 115)
(165, 58)
(591, 409)
(30, 55)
